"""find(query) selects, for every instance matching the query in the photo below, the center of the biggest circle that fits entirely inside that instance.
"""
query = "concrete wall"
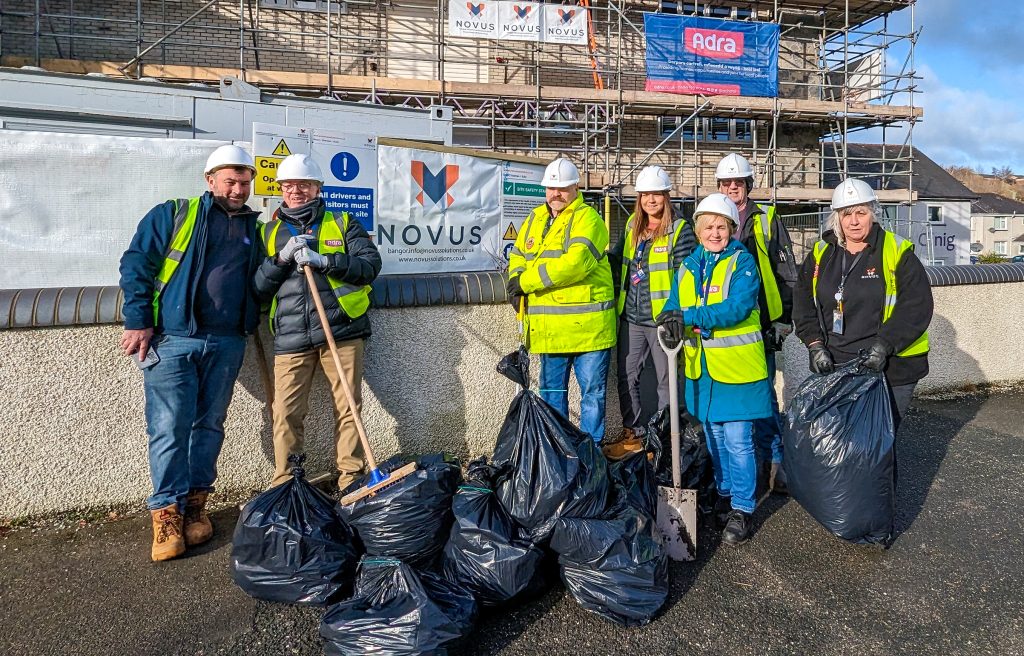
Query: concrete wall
(72, 432)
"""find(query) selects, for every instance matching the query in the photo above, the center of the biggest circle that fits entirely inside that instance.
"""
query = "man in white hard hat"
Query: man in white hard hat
(303, 232)
(188, 306)
(558, 269)
(766, 237)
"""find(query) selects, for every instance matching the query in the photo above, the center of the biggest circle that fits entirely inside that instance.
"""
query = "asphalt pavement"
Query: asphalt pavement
(952, 583)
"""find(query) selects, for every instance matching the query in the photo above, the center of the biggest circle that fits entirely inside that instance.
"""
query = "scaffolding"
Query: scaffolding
(845, 66)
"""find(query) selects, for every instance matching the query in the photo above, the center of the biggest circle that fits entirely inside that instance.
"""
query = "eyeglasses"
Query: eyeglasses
(732, 183)
(297, 186)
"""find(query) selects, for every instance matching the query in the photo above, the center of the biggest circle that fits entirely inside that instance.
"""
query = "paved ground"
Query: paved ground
(953, 583)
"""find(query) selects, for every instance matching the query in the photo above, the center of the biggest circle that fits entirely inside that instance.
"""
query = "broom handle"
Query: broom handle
(370, 460)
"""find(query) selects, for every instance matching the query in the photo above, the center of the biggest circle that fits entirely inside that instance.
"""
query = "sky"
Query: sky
(971, 58)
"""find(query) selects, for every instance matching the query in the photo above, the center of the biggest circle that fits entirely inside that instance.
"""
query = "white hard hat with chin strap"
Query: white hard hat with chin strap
(852, 192)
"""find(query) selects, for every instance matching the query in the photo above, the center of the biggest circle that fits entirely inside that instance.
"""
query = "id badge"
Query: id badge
(638, 276)
(837, 322)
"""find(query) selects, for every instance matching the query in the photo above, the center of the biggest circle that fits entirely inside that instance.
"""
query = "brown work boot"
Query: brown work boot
(168, 541)
(625, 447)
(198, 528)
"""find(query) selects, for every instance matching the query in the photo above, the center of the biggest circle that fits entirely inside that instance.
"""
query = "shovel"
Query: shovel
(677, 508)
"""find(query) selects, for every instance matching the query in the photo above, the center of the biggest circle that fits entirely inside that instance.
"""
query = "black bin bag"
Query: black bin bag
(487, 553)
(694, 458)
(291, 546)
(409, 519)
(614, 567)
(634, 475)
(397, 611)
(840, 455)
(547, 467)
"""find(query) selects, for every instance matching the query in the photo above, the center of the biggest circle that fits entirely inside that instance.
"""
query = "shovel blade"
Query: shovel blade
(677, 521)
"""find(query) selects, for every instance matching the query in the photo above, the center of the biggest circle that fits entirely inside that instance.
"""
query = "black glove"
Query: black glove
(515, 292)
(672, 321)
(821, 359)
(876, 357)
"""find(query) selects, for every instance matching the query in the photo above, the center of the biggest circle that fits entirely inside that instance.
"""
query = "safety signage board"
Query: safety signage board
(521, 191)
(270, 145)
(349, 163)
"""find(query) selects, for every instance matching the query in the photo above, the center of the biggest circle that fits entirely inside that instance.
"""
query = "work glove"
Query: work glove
(672, 322)
(307, 257)
(876, 357)
(515, 292)
(782, 331)
(820, 359)
(292, 247)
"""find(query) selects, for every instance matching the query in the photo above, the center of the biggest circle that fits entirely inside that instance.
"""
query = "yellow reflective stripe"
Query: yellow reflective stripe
(732, 340)
(570, 309)
(545, 279)
(184, 226)
(660, 294)
(589, 244)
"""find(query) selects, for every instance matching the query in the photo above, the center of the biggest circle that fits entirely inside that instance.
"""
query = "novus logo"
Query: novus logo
(477, 20)
(566, 16)
(475, 10)
(435, 185)
(521, 12)
(718, 44)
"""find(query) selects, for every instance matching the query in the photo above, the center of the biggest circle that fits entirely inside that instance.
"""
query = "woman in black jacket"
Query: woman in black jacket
(862, 291)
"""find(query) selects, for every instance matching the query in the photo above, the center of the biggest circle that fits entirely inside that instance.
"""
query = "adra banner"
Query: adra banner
(710, 56)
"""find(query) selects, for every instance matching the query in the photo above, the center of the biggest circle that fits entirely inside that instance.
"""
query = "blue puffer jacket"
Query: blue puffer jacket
(144, 257)
(708, 399)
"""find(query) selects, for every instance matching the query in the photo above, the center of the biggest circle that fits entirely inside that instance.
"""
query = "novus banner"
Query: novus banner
(518, 21)
(710, 56)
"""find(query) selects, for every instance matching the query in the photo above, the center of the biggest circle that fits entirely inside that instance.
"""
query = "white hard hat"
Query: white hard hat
(653, 178)
(718, 204)
(733, 167)
(561, 173)
(229, 156)
(299, 167)
(852, 191)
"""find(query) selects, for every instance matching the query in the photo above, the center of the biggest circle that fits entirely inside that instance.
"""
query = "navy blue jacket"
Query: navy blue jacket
(141, 263)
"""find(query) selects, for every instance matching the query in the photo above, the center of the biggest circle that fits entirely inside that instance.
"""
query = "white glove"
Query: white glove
(293, 245)
(311, 258)
(782, 331)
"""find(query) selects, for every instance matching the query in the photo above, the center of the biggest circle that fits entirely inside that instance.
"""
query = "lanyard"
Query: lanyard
(295, 232)
(639, 256)
(705, 276)
(845, 273)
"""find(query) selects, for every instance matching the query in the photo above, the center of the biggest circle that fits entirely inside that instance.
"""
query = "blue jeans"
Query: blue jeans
(187, 397)
(732, 454)
(768, 432)
(592, 375)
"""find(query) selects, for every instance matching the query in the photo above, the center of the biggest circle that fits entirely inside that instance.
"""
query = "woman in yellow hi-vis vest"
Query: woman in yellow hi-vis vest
(713, 310)
(862, 290)
(654, 244)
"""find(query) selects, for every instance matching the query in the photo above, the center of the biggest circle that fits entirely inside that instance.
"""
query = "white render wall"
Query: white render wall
(72, 433)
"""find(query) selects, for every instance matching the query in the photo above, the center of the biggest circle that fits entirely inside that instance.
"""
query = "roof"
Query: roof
(996, 204)
(864, 161)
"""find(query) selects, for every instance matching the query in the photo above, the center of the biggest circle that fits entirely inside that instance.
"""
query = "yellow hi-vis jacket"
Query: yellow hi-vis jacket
(893, 249)
(659, 266)
(353, 299)
(567, 279)
(762, 230)
(734, 354)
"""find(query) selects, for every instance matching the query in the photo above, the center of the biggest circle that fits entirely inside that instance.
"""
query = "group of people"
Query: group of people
(200, 271)
(195, 278)
(726, 284)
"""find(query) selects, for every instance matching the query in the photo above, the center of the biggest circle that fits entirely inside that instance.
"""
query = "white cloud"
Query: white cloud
(969, 127)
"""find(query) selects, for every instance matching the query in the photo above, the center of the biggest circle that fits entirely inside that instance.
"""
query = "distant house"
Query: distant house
(938, 222)
(997, 225)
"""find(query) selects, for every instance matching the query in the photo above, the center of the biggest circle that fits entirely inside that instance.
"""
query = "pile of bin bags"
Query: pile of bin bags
(434, 548)
(839, 441)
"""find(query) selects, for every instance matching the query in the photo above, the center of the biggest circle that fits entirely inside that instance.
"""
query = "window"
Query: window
(709, 129)
(999, 248)
(999, 223)
(1020, 249)
(935, 214)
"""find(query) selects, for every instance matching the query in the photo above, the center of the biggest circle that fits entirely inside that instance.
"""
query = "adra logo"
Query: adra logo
(718, 44)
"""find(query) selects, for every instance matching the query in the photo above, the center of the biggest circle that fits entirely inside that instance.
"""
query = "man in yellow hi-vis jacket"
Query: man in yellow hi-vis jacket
(559, 270)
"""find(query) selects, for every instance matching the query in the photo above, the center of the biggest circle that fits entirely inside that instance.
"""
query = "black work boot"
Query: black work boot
(779, 479)
(737, 529)
(723, 506)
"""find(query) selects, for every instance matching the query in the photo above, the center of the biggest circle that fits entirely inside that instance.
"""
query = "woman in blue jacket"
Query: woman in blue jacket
(713, 310)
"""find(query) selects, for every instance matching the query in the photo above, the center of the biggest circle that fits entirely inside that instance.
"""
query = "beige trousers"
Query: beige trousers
(293, 379)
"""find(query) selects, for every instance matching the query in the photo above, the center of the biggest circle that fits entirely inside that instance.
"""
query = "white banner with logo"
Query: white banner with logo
(518, 21)
(565, 24)
(446, 211)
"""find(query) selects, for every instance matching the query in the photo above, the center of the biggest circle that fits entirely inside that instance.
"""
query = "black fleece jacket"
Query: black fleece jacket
(296, 323)
(864, 297)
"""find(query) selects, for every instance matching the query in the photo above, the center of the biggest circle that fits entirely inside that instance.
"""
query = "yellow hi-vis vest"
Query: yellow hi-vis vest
(893, 249)
(735, 354)
(762, 230)
(353, 299)
(659, 266)
(565, 274)
(185, 212)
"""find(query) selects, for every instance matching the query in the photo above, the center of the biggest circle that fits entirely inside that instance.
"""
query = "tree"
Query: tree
(1004, 173)
(990, 257)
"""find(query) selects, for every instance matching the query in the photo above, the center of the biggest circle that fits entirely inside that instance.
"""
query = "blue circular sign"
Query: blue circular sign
(345, 167)
(507, 252)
